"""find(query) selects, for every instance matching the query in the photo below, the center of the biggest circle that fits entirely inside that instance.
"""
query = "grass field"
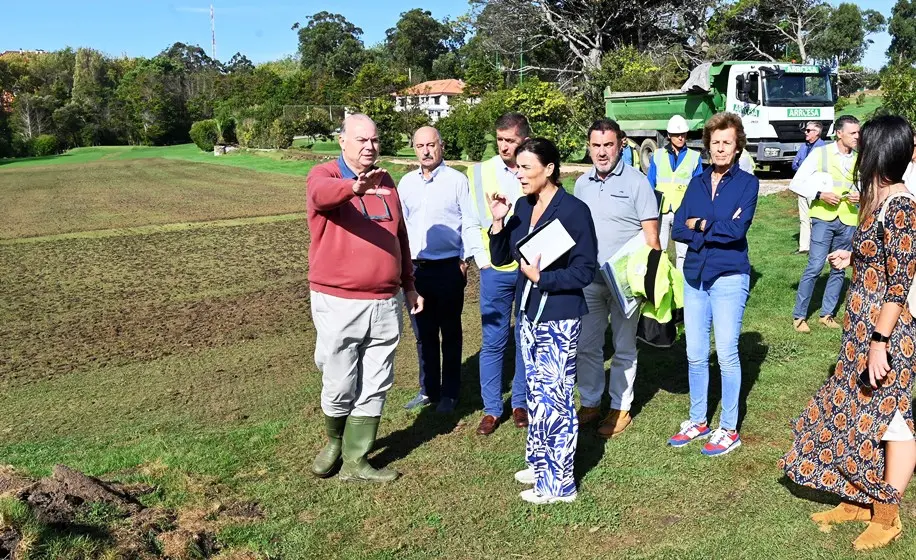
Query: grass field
(872, 102)
(170, 343)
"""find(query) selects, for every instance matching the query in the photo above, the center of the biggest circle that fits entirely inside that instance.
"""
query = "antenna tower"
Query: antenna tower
(212, 33)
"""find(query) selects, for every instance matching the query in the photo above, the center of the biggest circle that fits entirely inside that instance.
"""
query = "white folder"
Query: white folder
(550, 240)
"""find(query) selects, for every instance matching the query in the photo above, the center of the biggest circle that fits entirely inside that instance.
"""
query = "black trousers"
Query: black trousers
(441, 284)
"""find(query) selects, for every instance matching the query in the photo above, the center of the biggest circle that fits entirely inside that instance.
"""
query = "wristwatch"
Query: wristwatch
(878, 337)
(817, 195)
(697, 225)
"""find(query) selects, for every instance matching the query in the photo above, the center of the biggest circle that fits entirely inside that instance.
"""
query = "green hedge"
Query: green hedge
(45, 145)
(205, 134)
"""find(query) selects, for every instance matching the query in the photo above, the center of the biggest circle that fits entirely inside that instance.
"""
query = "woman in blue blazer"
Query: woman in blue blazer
(551, 305)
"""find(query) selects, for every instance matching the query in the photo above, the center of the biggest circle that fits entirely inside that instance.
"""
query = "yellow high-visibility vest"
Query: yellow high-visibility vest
(831, 162)
(482, 178)
(672, 183)
(634, 149)
(746, 162)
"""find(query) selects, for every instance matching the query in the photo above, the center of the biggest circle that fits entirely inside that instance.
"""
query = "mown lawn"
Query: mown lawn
(870, 103)
(182, 356)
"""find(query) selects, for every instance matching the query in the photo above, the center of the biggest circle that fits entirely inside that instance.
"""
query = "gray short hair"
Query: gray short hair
(815, 124)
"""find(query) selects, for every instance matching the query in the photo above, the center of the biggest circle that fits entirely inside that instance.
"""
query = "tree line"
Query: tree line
(549, 58)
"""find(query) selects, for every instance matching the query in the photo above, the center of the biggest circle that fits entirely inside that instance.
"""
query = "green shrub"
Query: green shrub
(860, 100)
(841, 104)
(471, 125)
(449, 131)
(316, 123)
(227, 131)
(205, 134)
(899, 92)
(280, 135)
(44, 145)
(388, 123)
(248, 131)
(21, 146)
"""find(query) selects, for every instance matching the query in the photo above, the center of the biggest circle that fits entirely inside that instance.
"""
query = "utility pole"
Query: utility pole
(212, 33)
(521, 63)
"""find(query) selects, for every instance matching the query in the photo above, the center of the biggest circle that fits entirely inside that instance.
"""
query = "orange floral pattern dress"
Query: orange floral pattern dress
(837, 444)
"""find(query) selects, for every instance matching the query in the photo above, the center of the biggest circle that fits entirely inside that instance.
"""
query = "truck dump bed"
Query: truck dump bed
(651, 110)
(698, 100)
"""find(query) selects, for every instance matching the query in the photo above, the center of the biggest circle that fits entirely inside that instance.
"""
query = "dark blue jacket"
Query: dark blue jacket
(721, 249)
(564, 279)
(804, 151)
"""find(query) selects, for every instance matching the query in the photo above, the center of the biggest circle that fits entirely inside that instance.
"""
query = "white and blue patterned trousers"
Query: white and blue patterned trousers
(549, 352)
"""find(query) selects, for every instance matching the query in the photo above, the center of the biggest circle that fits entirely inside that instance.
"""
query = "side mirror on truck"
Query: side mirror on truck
(742, 88)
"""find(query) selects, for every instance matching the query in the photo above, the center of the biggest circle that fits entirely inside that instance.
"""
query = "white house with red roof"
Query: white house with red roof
(434, 97)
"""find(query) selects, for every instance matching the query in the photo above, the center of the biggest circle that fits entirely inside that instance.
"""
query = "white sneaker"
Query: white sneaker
(531, 496)
(525, 477)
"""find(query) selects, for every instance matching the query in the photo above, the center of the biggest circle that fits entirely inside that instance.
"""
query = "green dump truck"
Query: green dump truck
(775, 100)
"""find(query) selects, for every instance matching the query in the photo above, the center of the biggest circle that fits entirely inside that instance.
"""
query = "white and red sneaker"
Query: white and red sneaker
(721, 442)
(689, 432)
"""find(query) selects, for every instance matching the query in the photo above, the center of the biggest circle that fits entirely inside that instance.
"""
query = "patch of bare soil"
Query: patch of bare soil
(63, 500)
(146, 331)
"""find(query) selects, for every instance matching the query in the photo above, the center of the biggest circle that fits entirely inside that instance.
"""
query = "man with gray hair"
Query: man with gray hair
(435, 201)
(813, 133)
(359, 261)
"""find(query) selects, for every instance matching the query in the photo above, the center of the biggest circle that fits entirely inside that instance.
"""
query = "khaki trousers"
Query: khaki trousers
(354, 349)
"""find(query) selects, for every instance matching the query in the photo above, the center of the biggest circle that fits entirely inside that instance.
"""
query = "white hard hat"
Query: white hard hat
(678, 125)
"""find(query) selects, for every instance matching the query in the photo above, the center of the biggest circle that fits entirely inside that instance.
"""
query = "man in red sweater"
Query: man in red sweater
(359, 261)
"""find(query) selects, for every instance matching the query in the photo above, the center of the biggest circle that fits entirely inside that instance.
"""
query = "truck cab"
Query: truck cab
(775, 100)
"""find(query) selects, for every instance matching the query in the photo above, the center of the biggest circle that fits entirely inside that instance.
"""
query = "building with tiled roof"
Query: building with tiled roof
(432, 97)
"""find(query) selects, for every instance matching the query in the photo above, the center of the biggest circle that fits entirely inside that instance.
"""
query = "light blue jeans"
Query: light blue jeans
(719, 305)
(826, 237)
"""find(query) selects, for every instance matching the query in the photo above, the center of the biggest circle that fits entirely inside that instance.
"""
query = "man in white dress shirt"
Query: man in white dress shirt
(435, 202)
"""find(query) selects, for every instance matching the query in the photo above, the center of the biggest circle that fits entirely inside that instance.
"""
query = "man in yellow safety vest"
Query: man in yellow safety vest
(746, 162)
(670, 171)
(834, 217)
(497, 283)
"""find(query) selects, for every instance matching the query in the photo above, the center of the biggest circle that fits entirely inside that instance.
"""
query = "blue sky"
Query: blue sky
(258, 29)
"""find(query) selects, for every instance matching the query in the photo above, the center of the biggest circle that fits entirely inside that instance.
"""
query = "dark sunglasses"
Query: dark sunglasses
(811, 130)
(385, 218)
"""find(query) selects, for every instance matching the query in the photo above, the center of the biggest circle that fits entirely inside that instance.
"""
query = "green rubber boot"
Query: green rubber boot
(324, 463)
(358, 439)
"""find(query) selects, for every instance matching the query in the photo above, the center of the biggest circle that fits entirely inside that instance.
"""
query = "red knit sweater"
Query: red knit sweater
(351, 256)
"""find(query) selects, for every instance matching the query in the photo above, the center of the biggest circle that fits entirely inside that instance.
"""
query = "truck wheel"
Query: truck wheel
(646, 150)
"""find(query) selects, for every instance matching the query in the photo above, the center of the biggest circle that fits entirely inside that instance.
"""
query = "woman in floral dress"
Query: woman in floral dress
(855, 438)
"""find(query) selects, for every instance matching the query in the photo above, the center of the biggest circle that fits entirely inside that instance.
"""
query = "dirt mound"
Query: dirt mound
(9, 542)
(60, 498)
(65, 501)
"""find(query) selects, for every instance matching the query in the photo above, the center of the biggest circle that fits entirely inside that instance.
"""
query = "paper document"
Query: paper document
(615, 275)
(818, 181)
(550, 240)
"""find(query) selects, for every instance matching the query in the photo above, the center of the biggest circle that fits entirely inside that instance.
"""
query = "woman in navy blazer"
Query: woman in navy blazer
(713, 220)
(551, 305)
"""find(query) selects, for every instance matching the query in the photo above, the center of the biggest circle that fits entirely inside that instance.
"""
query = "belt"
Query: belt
(420, 263)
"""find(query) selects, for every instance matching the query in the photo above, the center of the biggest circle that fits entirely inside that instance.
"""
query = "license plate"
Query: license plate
(804, 112)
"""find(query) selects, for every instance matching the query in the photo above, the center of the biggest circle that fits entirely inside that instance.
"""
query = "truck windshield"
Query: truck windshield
(797, 90)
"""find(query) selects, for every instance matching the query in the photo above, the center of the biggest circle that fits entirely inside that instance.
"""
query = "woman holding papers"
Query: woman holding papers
(713, 221)
(552, 235)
